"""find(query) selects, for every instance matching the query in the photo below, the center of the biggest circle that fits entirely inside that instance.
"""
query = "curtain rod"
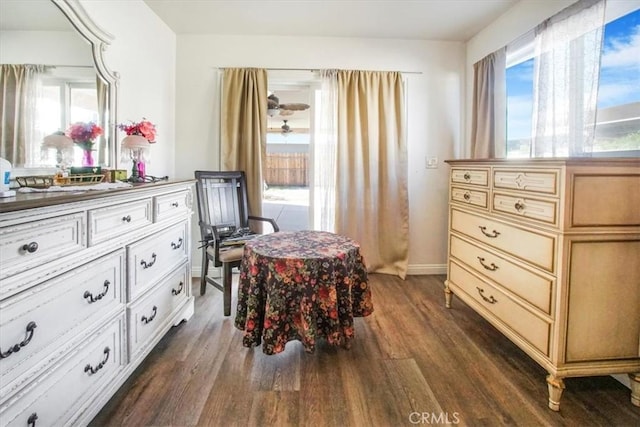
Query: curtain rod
(306, 69)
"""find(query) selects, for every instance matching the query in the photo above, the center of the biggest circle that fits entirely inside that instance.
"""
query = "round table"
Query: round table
(301, 285)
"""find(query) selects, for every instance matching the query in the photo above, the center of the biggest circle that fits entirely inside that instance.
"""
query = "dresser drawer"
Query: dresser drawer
(34, 243)
(55, 398)
(112, 221)
(540, 210)
(531, 287)
(513, 316)
(170, 205)
(471, 197)
(534, 181)
(150, 314)
(470, 176)
(533, 247)
(155, 256)
(51, 315)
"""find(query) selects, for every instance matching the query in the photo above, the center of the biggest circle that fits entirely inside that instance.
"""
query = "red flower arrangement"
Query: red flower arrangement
(143, 128)
(83, 134)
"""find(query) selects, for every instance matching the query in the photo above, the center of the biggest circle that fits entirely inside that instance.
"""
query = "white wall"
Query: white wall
(143, 52)
(434, 110)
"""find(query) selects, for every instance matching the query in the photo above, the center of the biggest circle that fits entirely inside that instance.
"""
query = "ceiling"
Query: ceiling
(453, 20)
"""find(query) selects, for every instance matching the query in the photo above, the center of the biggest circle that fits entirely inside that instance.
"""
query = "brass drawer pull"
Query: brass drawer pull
(89, 296)
(146, 319)
(467, 196)
(174, 204)
(493, 234)
(491, 267)
(30, 247)
(31, 421)
(146, 264)
(177, 245)
(519, 206)
(467, 176)
(126, 218)
(177, 291)
(91, 370)
(16, 348)
(490, 300)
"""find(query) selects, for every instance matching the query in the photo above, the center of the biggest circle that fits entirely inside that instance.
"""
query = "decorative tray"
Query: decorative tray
(46, 181)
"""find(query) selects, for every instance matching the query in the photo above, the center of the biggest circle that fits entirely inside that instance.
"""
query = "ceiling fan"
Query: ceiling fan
(274, 107)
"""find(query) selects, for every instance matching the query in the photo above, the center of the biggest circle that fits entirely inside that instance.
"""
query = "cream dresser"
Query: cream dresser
(89, 283)
(548, 251)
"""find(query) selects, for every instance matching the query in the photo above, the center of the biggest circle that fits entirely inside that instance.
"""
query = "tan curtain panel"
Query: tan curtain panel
(244, 128)
(17, 111)
(371, 187)
(488, 120)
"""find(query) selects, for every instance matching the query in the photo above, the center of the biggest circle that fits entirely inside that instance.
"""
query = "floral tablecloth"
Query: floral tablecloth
(301, 285)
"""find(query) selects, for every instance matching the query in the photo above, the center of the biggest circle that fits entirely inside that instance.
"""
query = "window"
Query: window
(618, 115)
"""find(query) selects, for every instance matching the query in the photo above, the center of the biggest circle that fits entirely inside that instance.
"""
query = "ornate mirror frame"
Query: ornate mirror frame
(99, 40)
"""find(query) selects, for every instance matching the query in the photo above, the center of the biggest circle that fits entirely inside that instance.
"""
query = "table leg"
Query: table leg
(556, 387)
(635, 388)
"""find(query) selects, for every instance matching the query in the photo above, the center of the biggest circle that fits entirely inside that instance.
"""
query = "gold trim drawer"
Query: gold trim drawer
(170, 205)
(470, 176)
(469, 197)
(112, 221)
(535, 248)
(56, 398)
(531, 287)
(534, 181)
(65, 305)
(513, 316)
(31, 244)
(149, 315)
(540, 210)
(155, 256)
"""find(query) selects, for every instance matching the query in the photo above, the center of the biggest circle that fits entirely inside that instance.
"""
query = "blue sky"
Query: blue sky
(619, 75)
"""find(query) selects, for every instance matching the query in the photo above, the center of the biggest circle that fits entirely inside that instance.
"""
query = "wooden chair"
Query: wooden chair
(224, 226)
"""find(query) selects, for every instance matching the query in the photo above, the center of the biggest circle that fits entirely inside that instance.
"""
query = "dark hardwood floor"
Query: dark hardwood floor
(413, 362)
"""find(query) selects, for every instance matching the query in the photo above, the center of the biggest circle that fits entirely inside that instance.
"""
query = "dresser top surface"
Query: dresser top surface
(550, 161)
(43, 199)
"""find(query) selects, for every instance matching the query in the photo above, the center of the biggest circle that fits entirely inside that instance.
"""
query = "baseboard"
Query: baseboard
(427, 269)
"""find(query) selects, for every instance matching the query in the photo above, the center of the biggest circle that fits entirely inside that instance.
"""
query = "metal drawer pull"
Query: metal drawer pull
(467, 196)
(493, 234)
(98, 297)
(467, 176)
(177, 291)
(91, 370)
(490, 300)
(30, 247)
(16, 348)
(491, 267)
(146, 264)
(31, 421)
(177, 245)
(126, 218)
(519, 206)
(146, 319)
(174, 204)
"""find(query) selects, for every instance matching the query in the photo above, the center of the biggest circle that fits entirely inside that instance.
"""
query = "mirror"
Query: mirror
(74, 83)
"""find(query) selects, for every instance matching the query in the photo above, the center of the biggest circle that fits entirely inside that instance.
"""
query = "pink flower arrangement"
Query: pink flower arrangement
(83, 133)
(143, 128)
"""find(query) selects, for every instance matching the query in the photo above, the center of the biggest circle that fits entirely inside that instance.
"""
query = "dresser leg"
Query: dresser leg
(447, 297)
(635, 388)
(556, 387)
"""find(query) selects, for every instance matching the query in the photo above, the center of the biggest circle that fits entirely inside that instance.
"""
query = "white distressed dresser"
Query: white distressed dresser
(548, 251)
(89, 283)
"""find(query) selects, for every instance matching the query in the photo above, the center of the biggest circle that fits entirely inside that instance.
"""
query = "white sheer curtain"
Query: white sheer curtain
(323, 190)
(568, 48)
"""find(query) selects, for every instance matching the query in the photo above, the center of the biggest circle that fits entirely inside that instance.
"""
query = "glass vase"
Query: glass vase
(87, 158)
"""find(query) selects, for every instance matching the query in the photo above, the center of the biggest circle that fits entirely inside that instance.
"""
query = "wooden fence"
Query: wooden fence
(287, 169)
